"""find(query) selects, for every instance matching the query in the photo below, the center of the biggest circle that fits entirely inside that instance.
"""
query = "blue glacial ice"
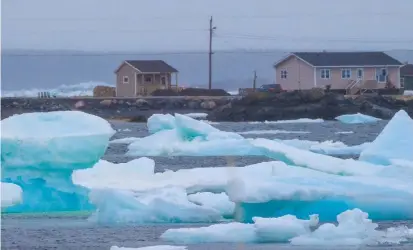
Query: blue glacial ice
(40, 151)
(357, 118)
(394, 142)
(354, 229)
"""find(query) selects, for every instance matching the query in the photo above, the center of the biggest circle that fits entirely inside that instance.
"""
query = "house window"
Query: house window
(345, 73)
(125, 80)
(325, 74)
(163, 80)
(148, 79)
(402, 82)
(381, 75)
(283, 74)
(360, 73)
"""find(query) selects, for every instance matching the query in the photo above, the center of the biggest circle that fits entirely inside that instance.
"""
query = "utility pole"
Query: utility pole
(254, 82)
(211, 31)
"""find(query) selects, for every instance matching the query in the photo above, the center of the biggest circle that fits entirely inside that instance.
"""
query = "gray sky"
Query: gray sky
(167, 25)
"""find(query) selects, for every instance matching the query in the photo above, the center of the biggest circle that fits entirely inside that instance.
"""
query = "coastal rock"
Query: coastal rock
(208, 105)
(312, 104)
(106, 102)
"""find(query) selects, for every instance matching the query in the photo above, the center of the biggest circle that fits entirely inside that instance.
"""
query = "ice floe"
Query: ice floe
(40, 151)
(301, 120)
(357, 118)
(394, 142)
(354, 229)
(264, 132)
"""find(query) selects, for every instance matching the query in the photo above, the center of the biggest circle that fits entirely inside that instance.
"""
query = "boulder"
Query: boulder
(104, 91)
(208, 105)
(106, 102)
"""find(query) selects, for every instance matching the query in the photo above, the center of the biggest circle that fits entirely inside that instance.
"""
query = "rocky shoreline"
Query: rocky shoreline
(133, 109)
(314, 103)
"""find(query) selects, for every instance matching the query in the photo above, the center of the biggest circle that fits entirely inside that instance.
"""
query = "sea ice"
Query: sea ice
(197, 115)
(394, 142)
(160, 247)
(11, 194)
(298, 157)
(219, 202)
(126, 140)
(40, 151)
(188, 136)
(357, 118)
(326, 147)
(166, 205)
(354, 228)
(301, 120)
(262, 230)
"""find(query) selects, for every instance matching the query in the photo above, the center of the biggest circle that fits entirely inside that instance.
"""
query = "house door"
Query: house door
(360, 74)
(381, 75)
(163, 80)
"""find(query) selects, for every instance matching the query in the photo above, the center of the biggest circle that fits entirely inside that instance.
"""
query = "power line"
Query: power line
(285, 15)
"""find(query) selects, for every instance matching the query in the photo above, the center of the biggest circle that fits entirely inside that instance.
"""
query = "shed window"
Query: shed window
(325, 74)
(148, 79)
(345, 73)
(283, 74)
(125, 79)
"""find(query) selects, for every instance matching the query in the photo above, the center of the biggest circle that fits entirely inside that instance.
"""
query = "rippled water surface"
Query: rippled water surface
(73, 231)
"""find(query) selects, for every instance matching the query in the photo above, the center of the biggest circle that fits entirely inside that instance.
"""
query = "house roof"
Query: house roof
(151, 66)
(406, 70)
(347, 58)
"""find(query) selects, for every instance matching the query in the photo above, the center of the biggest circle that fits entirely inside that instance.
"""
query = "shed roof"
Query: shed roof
(152, 66)
(406, 70)
(347, 58)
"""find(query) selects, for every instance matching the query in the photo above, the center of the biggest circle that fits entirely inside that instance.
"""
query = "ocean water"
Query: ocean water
(73, 231)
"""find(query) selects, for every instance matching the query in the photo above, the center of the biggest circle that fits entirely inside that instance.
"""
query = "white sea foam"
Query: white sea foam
(79, 89)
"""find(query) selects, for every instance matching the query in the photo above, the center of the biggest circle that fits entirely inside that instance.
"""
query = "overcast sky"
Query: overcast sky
(167, 25)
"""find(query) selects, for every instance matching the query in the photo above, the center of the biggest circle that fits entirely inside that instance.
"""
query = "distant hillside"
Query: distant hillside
(231, 69)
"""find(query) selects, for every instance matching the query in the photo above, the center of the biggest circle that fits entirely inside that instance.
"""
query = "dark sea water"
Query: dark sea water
(73, 231)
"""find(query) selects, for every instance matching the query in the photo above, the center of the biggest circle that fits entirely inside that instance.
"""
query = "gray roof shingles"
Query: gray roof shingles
(152, 66)
(347, 58)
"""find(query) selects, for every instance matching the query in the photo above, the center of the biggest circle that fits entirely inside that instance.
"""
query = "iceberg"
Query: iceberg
(181, 135)
(354, 228)
(41, 150)
(219, 202)
(326, 147)
(166, 205)
(357, 118)
(394, 142)
(11, 195)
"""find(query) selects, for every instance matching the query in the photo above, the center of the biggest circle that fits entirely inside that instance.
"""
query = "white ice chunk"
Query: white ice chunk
(126, 140)
(394, 142)
(62, 139)
(159, 122)
(283, 228)
(324, 163)
(354, 228)
(223, 233)
(11, 194)
(197, 115)
(167, 205)
(160, 247)
(219, 202)
(356, 118)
